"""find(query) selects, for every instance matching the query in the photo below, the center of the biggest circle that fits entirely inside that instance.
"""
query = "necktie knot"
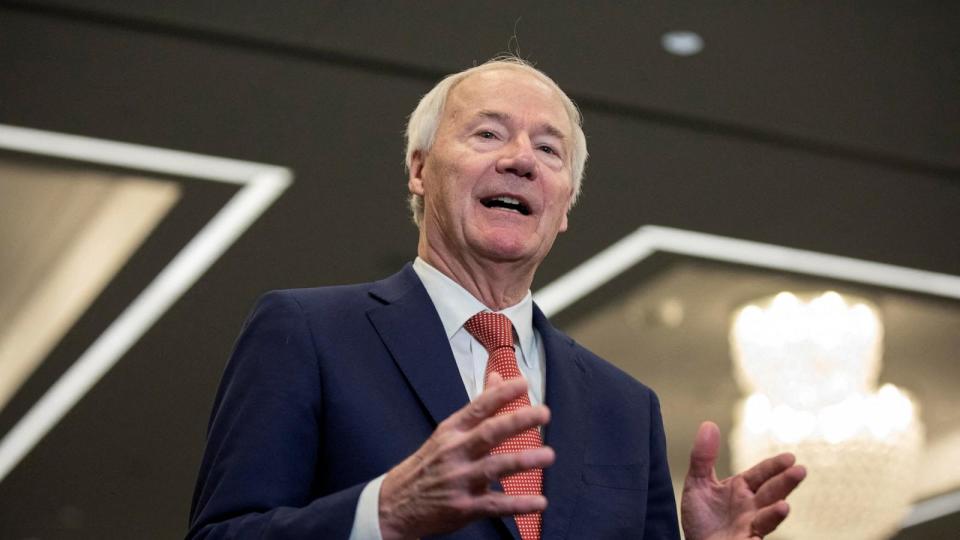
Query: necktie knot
(493, 330)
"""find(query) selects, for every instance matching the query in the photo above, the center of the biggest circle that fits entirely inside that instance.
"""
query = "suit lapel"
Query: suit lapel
(410, 328)
(567, 388)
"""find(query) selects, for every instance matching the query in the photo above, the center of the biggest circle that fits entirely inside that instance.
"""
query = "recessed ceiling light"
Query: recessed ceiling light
(682, 42)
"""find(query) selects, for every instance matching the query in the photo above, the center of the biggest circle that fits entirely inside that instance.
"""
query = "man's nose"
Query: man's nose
(518, 159)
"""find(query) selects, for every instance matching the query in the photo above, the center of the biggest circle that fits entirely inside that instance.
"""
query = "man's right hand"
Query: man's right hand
(445, 484)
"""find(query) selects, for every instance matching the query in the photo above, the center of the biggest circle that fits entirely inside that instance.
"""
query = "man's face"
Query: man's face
(497, 182)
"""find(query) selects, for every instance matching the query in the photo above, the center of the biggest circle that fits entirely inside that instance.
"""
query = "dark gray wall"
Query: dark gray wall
(823, 127)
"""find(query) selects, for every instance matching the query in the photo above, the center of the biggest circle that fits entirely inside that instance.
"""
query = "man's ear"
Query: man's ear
(415, 178)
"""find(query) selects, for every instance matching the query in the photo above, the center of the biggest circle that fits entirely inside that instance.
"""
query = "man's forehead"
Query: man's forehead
(478, 93)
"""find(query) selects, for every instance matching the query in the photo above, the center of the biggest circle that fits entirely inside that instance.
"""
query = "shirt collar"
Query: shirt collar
(455, 305)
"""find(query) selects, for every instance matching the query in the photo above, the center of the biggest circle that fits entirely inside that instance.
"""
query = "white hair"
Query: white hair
(422, 127)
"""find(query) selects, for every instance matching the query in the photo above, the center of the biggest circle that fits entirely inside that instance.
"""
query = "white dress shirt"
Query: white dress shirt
(455, 305)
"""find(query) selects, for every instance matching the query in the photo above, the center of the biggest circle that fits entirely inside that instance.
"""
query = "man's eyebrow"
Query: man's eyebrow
(548, 128)
(554, 131)
(494, 115)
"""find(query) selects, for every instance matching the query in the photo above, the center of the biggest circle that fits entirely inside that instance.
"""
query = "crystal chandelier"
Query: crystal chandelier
(809, 367)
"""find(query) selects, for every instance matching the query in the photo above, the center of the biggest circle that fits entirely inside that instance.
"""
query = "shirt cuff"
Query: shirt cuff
(366, 521)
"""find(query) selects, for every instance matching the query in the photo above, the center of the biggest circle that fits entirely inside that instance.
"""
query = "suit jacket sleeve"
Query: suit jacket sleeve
(661, 519)
(258, 477)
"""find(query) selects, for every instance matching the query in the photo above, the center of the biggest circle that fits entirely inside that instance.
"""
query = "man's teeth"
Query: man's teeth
(508, 203)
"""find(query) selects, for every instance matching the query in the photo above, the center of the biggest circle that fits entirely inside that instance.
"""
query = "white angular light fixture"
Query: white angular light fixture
(809, 367)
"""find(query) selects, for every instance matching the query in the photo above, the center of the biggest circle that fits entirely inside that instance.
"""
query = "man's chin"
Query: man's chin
(507, 252)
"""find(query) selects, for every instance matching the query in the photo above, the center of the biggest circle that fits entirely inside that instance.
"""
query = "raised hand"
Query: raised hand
(749, 505)
(445, 484)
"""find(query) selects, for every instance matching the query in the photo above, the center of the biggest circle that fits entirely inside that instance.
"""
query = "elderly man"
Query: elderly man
(440, 401)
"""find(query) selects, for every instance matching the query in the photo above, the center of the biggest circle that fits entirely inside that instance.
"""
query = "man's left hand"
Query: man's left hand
(749, 505)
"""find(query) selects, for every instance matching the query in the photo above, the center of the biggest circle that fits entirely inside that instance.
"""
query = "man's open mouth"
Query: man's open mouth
(508, 203)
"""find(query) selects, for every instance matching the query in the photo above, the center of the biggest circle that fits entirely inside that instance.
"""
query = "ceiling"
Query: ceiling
(833, 129)
(66, 231)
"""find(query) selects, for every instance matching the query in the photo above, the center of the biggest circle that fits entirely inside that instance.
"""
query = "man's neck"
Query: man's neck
(498, 285)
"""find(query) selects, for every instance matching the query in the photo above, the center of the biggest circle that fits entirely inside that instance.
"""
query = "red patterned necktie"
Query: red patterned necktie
(495, 333)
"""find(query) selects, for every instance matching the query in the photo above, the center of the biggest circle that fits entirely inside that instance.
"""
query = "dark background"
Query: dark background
(833, 128)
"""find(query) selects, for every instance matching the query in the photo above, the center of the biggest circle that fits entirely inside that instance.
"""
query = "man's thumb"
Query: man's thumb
(706, 448)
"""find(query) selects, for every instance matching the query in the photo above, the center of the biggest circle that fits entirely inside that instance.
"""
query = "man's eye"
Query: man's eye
(548, 149)
(487, 134)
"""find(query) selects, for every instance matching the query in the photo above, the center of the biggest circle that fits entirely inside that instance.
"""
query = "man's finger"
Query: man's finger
(761, 472)
(495, 503)
(495, 467)
(769, 518)
(493, 431)
(706, 448)
(781, 485)
(493, 379)
(487, 403)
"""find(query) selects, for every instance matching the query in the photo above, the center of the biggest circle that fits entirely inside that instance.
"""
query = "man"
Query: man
(372, 411)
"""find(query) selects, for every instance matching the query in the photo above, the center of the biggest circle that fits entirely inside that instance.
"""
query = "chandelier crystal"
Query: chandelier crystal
(809, 366)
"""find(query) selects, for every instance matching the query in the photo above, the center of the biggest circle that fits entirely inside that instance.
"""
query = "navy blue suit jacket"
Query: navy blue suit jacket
(329, 388)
